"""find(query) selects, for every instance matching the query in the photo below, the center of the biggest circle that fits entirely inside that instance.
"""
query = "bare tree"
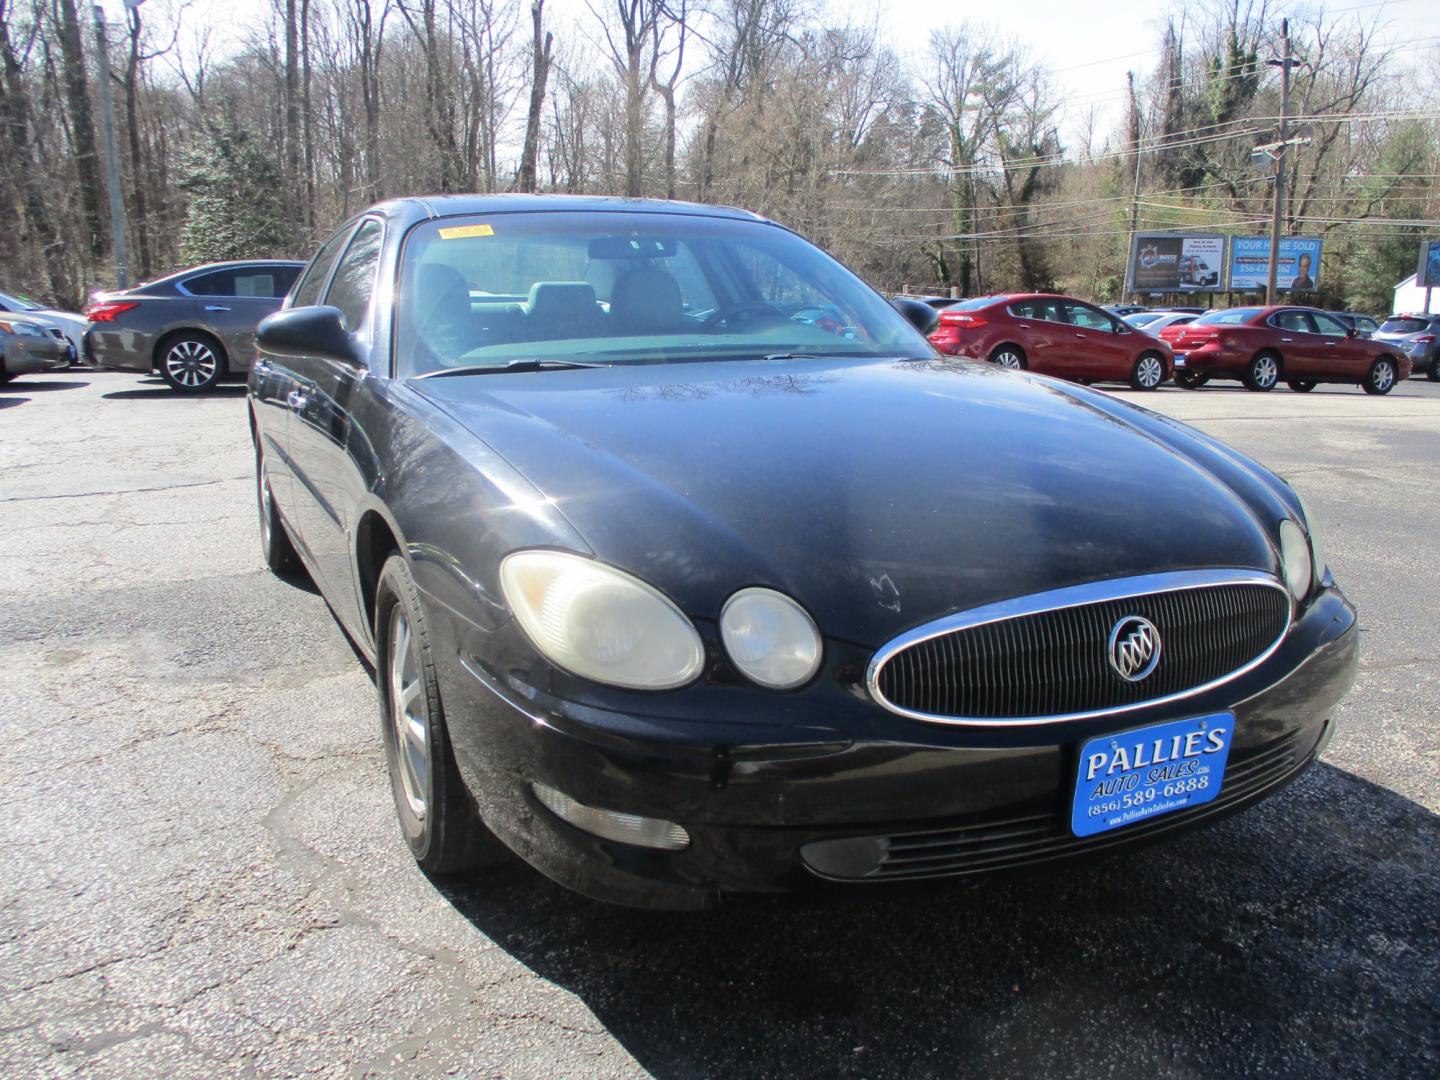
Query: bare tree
(541, 42)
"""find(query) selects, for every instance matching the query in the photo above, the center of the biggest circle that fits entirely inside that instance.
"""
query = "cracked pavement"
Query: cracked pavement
(201, 875)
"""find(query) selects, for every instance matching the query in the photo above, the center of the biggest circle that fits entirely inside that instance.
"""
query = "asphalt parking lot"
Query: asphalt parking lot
(201, 875)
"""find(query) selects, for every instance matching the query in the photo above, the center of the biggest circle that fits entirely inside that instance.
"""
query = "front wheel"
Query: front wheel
(1191, 380)
(1148, 372)
(192, 363)
(437, 816)
(1381, 377)
(1262, 373)
(1301, 386)
(1008, 356)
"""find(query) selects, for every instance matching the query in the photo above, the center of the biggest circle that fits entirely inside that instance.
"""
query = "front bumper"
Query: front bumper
(818, 811)
(38, 355)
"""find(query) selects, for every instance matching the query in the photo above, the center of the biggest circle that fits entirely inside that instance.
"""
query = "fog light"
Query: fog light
(625, 828)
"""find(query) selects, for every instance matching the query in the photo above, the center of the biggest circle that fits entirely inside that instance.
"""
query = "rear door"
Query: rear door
(1301, 349)
(1040, 326)
(230, 303)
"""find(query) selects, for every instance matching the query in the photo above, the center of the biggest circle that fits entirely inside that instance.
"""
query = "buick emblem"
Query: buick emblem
(1134, 648)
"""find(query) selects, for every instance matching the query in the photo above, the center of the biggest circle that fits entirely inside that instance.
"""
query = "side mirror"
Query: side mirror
(922, 316)
(308, 331)
(1351, 332)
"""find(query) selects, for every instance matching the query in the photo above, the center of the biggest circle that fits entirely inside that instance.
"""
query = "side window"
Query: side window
(255, 283)
(355, 276)
(282, 278)
(1088, 317)
(1025, 309)
(1292, 320)
(308, 291)
(1328, 325)
(216, 283)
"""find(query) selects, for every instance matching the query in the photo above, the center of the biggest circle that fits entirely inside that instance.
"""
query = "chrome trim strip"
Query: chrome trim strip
(1073, 596)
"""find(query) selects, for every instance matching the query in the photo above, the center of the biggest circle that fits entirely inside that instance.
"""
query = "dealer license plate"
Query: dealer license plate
(1137, 775)
(1179, 359)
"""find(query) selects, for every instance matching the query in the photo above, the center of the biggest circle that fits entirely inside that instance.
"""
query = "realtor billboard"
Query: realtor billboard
(1427, 274)
(1176, 262)
(1298, 268)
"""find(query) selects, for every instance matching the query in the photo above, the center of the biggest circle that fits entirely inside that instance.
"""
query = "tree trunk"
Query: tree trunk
(137, 165)
(634, 125)
(525, 181)
(82, 128)
(292, 105)
(309, 132)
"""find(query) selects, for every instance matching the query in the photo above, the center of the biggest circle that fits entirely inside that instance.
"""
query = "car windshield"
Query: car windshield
(21, 303)
(629, 288)
(1229, 317)
(1404, 325)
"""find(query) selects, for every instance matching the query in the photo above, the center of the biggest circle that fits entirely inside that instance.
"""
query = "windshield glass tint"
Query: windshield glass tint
(1228, 318)
(617, 288)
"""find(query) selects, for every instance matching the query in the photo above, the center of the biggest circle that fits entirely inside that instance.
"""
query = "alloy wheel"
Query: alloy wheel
(191, 364)
(1009, 358)
(1264, 372)
(1149, 372)
(409, 714)
(1382, 376)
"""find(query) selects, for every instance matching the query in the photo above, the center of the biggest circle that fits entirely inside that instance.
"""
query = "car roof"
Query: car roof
(424, 207)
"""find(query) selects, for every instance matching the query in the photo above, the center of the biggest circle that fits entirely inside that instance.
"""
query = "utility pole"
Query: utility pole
(112, 158)
(1284, 63)
(1134, 121)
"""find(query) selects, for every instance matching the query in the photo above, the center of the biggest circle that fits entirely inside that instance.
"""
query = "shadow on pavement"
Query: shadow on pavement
(1300, 937)
(40, 385)
(162, 391)
(7, 402)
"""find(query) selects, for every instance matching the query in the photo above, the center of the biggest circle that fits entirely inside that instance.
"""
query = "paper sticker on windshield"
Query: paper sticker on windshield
(455, 232)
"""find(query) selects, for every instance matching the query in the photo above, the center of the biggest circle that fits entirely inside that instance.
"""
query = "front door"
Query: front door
(321, 434)
(1100, 353)
(1342, 356)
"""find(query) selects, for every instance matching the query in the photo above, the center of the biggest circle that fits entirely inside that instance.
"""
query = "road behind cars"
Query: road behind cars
(202, 876)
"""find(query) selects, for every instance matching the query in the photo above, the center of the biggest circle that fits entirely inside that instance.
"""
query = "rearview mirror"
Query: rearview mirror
(922, 316)
(308, 331)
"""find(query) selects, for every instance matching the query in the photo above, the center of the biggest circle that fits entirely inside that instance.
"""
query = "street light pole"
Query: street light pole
(1277, 209)
(112, 158)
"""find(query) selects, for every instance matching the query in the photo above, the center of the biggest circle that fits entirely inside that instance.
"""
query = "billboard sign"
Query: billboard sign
(1299, 266)
(1177, 262)
(1427, 274)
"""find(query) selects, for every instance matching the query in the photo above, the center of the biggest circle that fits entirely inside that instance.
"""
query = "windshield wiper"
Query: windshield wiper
(510, 366)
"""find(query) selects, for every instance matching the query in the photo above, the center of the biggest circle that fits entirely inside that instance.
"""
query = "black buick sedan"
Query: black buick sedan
(688, 569)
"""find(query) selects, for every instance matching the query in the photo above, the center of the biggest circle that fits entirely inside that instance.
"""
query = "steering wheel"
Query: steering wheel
(750, 311)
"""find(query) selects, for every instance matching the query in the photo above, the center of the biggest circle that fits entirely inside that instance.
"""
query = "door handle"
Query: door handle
(216, 307)
(1287, 340)
(1080, 336)
(297, 400)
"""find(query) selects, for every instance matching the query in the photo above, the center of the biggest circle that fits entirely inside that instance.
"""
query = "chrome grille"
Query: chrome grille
(1016, 841)
(1037, 659)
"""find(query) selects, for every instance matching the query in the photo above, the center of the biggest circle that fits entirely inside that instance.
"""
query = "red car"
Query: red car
(1053, 335)
(1262, 345)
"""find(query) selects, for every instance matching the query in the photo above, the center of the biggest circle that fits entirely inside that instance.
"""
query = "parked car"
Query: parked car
(1053, 335)
(1364, 325)
(1152, 322)
(1121, 310)
(1260, 346)
(939, 303)
(1418, 336)
(30, 344)
(194, 327)
(72, 325)
(678, 597)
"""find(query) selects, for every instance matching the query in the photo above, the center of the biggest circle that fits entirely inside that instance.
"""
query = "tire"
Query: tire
(1262, 373)
(1191, 380)
(1301, 386)
(191, 362)
(276, 547)
(1148, 372)
(1380, 379)
(437, 815)
(1011, 357)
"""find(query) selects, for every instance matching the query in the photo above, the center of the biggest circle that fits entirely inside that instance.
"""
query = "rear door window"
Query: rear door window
(216, 283)
(308, 291)
(1297, 322)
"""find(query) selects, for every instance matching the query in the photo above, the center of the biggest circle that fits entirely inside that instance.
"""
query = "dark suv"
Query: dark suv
(194, 327)
(1419, 336)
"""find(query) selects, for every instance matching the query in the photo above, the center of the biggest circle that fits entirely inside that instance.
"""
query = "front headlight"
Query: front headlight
(770, 637)
(22, 329)
(1295, 560)
(599, 622)
(1315, 557)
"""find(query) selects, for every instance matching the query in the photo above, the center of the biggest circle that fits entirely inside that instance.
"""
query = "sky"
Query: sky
(1088, 46)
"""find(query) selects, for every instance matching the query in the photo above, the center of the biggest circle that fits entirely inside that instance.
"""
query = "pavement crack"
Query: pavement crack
(124, 491)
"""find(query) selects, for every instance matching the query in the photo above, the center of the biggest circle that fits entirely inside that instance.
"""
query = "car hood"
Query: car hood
(881, 494)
